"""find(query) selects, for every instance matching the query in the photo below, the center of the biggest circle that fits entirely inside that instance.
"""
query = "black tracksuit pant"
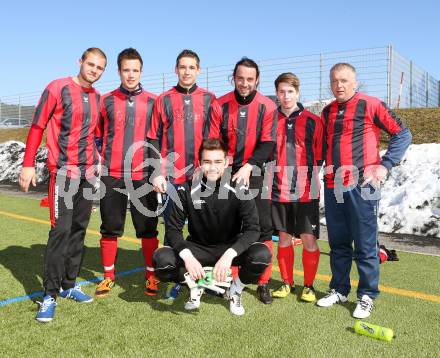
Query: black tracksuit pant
(70, 204)
(263, 207)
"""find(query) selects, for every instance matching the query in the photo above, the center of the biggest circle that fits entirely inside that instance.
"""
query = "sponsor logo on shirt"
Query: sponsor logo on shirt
(199, 202)
(242, 114)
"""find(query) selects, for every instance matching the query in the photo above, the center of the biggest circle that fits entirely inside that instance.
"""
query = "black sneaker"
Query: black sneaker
(264, 294)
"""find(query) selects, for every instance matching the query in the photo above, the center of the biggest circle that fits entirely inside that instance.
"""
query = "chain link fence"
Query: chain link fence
(382, 72)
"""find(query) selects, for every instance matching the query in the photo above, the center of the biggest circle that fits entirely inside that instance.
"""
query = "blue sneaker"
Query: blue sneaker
(47, 309)
(76, 294)
(174, 292)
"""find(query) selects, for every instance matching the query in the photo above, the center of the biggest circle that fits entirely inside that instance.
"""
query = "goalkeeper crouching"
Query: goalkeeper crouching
(223, 231)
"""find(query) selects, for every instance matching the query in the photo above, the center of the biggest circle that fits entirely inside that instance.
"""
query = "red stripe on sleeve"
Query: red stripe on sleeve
(388, 120)
(216, 117)
(153, 131)
(269, 124)
(33, 141)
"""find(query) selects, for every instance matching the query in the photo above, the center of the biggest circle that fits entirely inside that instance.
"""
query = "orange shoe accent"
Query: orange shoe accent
(104, 287)
(152, 286)
(297, 242)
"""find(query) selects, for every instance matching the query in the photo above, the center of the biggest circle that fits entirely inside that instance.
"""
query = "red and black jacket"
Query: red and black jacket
(125, 121)
(297, 157)
(248, 128)
(70, 113)
(352, 132)
(182, 118)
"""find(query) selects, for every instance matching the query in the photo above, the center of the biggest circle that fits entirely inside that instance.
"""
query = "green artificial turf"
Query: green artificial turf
(130, 324)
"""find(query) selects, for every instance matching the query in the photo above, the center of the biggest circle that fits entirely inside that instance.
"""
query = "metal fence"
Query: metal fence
(382, 72)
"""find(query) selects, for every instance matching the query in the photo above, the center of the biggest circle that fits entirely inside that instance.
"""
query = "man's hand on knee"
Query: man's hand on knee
(223, 265)
(193, 267)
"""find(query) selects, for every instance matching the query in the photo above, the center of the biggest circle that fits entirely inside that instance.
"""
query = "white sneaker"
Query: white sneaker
(331, 298)
(194, 300)
(236, 305)
(363, 308)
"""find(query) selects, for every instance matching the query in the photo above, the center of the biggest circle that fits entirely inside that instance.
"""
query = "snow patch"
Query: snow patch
(11, 160)
(410, 202)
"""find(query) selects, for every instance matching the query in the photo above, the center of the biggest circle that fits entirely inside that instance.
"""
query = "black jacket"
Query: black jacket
(216, 216)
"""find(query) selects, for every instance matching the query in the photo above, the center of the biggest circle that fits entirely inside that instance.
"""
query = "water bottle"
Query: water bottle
(374, 331)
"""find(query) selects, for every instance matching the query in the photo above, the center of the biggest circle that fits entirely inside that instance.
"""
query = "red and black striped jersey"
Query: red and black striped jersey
(125, 121)
(70, 113)
(244, 126)
(180, 123)
(297, 157)
(352, 132)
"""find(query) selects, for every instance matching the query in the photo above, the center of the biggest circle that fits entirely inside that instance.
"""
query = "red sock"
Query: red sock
(265, 277)
(310, 261)
(149, 245)
(109, 248)
(234, 272)
(286, 258)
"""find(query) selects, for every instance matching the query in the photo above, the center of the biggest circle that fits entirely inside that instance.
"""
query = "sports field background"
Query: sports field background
(423, 123)
(131, 324)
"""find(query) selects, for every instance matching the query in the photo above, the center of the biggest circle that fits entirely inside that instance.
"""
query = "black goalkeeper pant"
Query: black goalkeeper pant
(169, 266)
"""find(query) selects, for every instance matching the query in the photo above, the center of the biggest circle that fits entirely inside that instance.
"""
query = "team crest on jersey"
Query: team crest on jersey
(290, 126)
(340, 112)
(242, 114)
(86, 99)
(187, 101)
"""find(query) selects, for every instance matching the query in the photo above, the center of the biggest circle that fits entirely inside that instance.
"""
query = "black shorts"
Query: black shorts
(113, 207)
(296, 218)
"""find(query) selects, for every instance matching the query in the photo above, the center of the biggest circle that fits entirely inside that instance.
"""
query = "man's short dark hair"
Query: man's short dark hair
(129, 54)
(187, 53)
(247, 62)
(94, 50)
(212, 144)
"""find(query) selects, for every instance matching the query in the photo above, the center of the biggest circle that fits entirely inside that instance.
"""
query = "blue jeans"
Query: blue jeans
(353, 219)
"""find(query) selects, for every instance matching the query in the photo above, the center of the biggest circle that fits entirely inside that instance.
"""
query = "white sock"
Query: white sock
(237, 286)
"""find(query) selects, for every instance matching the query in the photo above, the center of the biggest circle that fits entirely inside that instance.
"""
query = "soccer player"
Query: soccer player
(126, 115)
(183, 116)
(223, 231)
(295, 189)
(353, 175)
(248, 129)
(69, 110)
